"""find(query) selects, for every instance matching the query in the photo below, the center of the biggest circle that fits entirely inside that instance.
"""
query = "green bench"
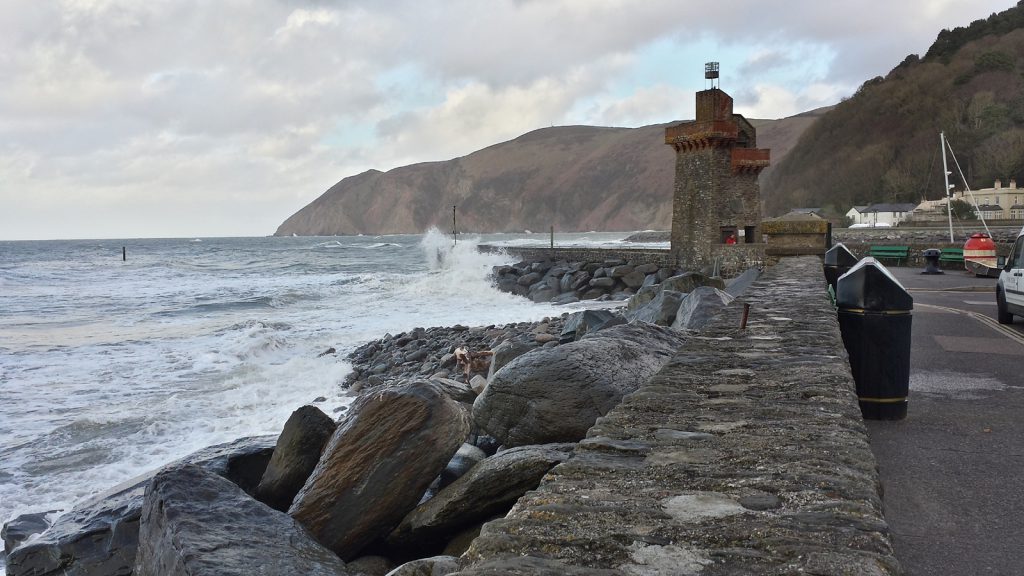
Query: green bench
(896, 253)
(952, 255)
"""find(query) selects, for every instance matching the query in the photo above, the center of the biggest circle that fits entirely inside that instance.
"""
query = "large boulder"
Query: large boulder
(738, 285)
(700, 307)
(491, 487)
(579, 324)
(295, 456)
(22, 527)
(690, 281)
(195, 523)
(661, 310)
(505, 353)
(556, 394)
(99, 536)
(378, 464)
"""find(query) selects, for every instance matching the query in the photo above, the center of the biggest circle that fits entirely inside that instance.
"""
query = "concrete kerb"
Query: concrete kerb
(746, 454)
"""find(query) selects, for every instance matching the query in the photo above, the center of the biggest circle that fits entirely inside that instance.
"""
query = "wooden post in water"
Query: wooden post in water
(455, 231)
(124, 254)
(552, 237)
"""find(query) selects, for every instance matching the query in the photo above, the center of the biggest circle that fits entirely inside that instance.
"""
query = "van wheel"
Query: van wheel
(1002, 314)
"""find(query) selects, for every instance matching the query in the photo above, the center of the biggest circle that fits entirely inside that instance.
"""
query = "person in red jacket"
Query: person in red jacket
(731, 239)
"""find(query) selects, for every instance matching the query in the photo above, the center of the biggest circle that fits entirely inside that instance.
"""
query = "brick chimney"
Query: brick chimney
(1013, 183)
(999, 184)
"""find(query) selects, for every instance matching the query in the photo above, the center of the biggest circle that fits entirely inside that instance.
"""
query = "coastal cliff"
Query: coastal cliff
(575, 178)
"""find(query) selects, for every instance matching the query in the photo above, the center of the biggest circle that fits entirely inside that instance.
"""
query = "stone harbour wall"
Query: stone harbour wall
(745, 454)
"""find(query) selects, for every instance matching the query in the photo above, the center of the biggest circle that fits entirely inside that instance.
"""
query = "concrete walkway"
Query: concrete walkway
(953, 471)
(745, 455)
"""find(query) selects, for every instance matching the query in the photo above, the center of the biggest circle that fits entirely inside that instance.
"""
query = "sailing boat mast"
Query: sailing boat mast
(945, 172)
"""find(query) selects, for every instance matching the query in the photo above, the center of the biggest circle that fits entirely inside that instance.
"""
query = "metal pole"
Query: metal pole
(455, 231)
(945, 172)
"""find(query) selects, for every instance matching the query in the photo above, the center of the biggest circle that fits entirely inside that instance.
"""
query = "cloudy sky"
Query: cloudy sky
(185, 118)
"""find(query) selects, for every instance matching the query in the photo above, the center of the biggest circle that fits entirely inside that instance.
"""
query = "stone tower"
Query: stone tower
(716, 191)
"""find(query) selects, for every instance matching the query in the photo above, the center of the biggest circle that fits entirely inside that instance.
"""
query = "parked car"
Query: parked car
(1010, 286)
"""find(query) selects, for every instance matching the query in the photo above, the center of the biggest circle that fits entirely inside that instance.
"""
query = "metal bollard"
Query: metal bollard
(875, 320)
(931, 261)
(838, 261)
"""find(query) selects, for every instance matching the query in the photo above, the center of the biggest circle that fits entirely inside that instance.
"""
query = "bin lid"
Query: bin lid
(839, 255)
(870, 286)
(931, 252)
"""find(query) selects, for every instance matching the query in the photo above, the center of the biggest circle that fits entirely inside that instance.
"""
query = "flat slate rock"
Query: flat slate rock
(195, 523)
(99, 536)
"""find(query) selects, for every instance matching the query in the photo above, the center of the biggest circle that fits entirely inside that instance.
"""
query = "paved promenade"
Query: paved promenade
(745, 455)
(953, 471)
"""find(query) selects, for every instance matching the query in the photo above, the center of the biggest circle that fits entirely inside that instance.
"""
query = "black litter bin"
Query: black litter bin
(931, 261)
(838, 261)
(874, 317)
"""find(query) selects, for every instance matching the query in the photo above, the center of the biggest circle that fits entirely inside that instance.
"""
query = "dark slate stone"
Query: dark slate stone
(99, 536)
(634, 279)
(588, 321)
(739, 284)
(20, 528)
(464, 459)
(700, 307)
(603, 282)
(556, 394)
(528, 279)
(378, 464)
(295, 456)
(195, 523)
(489, 488)
(661, 310)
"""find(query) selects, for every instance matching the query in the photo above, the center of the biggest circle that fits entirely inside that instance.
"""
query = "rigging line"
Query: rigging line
(928, 176)
(967, 187)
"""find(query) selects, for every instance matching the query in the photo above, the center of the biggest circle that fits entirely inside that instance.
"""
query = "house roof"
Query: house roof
(989, 208)
(860, 208)
(806, 210)
(1017, 207)
(890, 208)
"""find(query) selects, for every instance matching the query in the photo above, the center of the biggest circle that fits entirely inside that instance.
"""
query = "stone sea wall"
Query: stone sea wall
(745, 454)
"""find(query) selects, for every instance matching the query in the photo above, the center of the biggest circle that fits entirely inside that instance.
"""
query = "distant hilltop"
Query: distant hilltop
(575, 178)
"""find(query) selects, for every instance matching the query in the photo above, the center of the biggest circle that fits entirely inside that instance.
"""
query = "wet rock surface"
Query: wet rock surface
(99, 536)
(744, 454)
(296, 453)
(426, 352)
(195, 523)
(563, 281)
(378, 464)
(489, 488)
(554, 395)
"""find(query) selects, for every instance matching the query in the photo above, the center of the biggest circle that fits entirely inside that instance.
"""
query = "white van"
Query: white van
(1010, 286)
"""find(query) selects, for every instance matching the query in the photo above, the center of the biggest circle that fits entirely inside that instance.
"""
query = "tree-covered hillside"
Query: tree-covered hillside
(882, 144)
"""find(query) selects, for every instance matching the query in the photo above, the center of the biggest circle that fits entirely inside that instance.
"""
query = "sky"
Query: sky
(198, 118)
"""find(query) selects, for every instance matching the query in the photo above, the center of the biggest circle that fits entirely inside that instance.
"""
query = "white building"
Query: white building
(856, 214)
(886, 214)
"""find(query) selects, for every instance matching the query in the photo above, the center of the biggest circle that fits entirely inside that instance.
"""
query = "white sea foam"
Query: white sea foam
(109, 368)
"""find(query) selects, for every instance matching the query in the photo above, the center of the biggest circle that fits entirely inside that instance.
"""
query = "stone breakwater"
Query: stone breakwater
(676, 444)
(557, 279)
(745, 454)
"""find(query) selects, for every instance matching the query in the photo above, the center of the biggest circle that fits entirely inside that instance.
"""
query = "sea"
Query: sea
(112, 366)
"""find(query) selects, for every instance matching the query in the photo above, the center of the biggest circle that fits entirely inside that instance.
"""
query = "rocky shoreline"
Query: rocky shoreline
(450, 427)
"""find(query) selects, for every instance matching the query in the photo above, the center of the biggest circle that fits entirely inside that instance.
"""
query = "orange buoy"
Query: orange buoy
(979, 254)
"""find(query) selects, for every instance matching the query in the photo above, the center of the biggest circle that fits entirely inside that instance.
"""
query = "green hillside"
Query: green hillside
(882, 144)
